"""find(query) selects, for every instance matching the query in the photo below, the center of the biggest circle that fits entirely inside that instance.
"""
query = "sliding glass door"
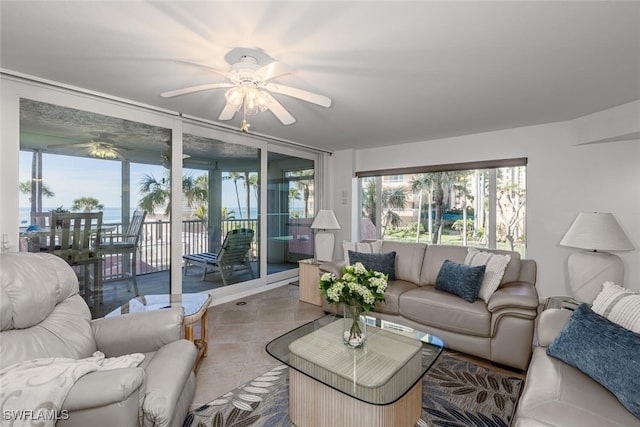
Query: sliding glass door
(290, 211)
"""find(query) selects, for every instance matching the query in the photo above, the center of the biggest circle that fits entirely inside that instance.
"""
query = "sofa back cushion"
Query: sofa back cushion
(42, 314)
(384, 263)
(362, 247)
(409, 257)
(437, 254)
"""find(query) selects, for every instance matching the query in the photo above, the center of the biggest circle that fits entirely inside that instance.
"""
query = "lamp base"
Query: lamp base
(589, 270)
(325, 241)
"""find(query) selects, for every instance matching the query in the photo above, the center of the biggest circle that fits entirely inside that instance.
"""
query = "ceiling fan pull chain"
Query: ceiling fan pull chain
(245, 126)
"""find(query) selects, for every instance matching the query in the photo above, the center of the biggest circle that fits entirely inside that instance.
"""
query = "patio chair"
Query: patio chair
(233, 253)
(37, 243)
(124, 246)
(76, 240)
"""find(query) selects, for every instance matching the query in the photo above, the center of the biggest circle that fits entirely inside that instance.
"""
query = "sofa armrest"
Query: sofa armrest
(520, 295)
(334, 267)
(550, 323)
(103, 388)
(137, 332)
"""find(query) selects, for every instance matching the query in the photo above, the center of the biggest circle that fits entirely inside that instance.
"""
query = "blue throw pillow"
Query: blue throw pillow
(384, 263)
(460, 279)
(605, 351)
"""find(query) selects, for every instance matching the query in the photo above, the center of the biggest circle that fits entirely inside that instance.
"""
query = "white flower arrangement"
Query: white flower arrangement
(357, 286)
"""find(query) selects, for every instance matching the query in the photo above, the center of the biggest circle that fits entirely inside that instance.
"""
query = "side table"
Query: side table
(310, 281)
(562, 302)
(195, 308)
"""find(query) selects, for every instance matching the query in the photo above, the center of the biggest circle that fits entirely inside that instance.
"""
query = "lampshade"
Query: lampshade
(326, 220)
(597, 232)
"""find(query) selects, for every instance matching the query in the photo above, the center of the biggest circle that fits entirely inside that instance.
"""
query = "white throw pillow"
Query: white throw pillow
(496, 265)
(364, 247)
(619, 305)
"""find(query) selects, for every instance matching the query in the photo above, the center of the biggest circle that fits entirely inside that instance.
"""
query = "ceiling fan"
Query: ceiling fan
(250, 91)
(102, 147)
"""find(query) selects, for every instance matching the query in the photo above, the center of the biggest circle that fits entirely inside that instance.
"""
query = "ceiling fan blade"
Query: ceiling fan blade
(227, 112)
(70, 145)
(272, 70)
(201, 65)
(300, 94)
(193, 89)
(278, 110)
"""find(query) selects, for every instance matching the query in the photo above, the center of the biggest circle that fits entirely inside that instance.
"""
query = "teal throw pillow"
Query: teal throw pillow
(384, 263)
(460, 279)
(605, 351)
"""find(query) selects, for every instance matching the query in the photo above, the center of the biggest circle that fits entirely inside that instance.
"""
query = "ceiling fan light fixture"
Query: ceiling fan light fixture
(235, 96)
(103, 152)
(255, 101)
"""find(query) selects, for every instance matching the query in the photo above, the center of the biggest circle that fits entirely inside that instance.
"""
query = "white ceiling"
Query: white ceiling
(396, 71)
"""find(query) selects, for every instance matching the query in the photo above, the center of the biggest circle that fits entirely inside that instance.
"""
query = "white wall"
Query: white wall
(563, 179)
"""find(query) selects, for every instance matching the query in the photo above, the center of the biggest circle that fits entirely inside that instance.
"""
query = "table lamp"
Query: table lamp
(597, 234)
(325, 240)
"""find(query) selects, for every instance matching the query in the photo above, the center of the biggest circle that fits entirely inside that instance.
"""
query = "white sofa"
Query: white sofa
(557, 394)
(500, 331)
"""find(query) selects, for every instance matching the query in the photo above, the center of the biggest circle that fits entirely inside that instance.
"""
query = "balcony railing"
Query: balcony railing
(154, 248)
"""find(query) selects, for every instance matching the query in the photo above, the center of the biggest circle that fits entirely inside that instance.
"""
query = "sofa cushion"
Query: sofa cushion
(408, 260)
(556, 394)
(620, 305)
(436, 254)
(496, 265)
(605, 351)
(391, 303)
(431, 307)
(364, 247)
(460, 279)
(384, 263)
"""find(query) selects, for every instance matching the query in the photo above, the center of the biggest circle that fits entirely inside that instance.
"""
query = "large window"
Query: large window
(475, 204)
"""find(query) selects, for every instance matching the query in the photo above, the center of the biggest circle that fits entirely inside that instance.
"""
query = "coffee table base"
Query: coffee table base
(312, 403)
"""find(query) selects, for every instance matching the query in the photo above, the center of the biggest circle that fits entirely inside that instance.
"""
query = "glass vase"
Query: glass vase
(354, 333)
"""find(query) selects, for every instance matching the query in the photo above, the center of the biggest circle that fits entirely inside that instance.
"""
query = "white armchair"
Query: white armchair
(43, 316)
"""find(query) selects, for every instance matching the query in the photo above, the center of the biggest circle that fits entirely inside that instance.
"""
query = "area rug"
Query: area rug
(454, 393)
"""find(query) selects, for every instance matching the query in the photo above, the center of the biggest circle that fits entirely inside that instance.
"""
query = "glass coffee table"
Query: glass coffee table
(195, 308)
(332, 385)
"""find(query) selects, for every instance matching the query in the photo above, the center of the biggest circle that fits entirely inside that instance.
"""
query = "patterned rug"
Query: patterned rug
(454, 393)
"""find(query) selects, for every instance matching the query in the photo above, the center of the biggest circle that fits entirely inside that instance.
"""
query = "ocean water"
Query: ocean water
(110, 215)
(114, 215)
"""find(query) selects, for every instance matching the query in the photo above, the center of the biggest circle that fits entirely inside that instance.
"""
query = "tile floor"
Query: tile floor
(238, 334)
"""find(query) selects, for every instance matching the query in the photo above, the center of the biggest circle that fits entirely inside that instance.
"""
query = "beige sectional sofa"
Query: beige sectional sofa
(557, 394)
(500, 331)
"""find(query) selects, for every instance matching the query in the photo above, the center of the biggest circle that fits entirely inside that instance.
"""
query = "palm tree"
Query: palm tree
(227, 214)
(418, 184)
(87, 204)
(254, 183)
(235, 176)
(437, 181)
(247, 194)
(391, 198)
(157, 193)
(294, 194)
(201, 213)
(25, 188)
(369, 205)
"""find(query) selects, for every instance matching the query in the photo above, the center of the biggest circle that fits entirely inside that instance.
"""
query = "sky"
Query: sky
(73, 177)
